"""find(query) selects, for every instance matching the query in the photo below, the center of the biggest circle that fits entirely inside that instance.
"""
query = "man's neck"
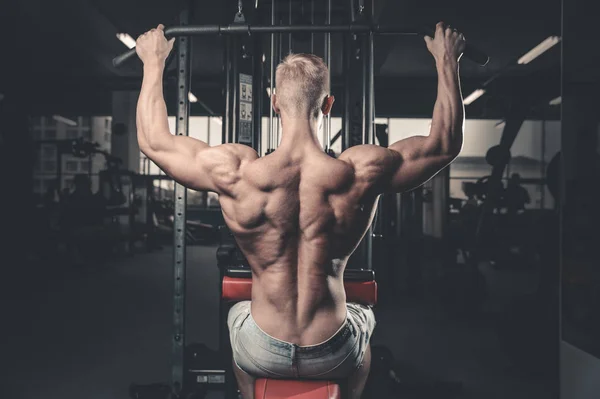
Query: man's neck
(299, 134)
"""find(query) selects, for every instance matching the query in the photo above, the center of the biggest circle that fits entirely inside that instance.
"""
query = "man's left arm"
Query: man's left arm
(189, 161)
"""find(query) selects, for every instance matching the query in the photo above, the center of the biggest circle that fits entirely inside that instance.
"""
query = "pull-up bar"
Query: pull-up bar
(470, 52)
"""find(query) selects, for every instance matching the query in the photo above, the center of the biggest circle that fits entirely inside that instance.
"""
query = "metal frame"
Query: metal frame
(272, 82)
(199, 30)
(369, 112)
(327, 51)
(179, 245)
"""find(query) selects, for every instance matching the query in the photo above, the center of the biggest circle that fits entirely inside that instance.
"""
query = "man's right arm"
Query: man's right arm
(419, 158)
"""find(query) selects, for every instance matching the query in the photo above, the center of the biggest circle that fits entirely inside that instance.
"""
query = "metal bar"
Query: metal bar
(193, 30)
(312, 22)
(208, 130)
(290, 22)
(59, 183)
(352, 11)
(346, 140)
(272, 81)
(543, 164)
(279, 59)
(370, 72)
(257, 94)
(180, 193)
(370, 122)
(235, 90)
(327, 124)
(365, 139)
(198, 30)
(227, 112)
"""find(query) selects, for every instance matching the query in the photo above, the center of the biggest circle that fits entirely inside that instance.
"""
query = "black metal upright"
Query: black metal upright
(327, 51)
(270, 141)
(258, 90)
(227, 111)
(369, 107)
(180, 193)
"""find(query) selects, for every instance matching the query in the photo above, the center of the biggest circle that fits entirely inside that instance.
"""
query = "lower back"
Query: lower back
(301, 308)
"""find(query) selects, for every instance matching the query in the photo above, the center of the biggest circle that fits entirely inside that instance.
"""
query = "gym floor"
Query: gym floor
(90, 333)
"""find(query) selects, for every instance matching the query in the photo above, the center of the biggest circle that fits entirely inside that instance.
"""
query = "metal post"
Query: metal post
(59, 184)
(543, 164)
(235, 90)
(179, 248)
(370, 120)
(227, 112)
(290, 22)
(279, 59)
(327, 122)
(272, 81)
(312, 22)
(347, 82)
(257, 94)
(208, 130)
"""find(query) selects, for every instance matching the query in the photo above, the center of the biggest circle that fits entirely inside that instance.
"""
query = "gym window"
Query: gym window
(72, 133)
(50, 122)
(50, 134)
(87, 134)
(71, 166)
(49, 166)
(49, 151)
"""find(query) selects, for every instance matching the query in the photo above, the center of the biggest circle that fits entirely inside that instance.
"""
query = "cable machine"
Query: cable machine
(244, 91)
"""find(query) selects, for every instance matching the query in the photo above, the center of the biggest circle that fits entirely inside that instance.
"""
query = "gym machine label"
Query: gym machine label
(245, 107)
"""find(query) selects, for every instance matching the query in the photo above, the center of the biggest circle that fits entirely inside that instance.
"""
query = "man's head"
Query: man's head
(515, 178)
(302, 82)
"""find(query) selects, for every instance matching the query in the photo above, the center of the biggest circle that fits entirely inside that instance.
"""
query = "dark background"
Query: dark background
(75, 330)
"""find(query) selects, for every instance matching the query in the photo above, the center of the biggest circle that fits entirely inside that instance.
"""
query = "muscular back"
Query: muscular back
(297, 220)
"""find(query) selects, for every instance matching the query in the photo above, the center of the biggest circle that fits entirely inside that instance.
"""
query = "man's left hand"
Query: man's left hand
(153, 47)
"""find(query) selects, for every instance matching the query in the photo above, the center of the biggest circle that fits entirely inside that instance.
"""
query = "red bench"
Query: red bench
(360, 287)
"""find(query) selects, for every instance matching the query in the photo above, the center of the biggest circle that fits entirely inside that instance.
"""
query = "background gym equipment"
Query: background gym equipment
(206, 85)
(470, 53)
(239, 125)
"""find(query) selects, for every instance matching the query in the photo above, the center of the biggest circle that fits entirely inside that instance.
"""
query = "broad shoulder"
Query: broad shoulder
(370, 159)
(239, 152)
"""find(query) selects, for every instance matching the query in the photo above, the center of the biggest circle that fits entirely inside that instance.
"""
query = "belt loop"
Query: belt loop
(294, 359)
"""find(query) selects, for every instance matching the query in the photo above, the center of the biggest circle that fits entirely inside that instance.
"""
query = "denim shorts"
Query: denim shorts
(262, 356)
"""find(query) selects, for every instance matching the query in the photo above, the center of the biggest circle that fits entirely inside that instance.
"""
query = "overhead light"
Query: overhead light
(126, 39)
(500, 125)
(218, 120)
(64, 120)
(556, 101)
(473, 96)
(269, 92)
(539, 50)
(192, 97)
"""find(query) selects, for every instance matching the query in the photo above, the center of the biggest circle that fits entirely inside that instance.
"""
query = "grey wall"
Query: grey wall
(580, 373)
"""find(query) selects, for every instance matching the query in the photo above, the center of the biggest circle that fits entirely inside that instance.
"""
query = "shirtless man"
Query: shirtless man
(298, 214)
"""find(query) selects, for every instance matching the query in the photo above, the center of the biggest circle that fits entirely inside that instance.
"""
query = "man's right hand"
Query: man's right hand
(153, 47)
(447, 45)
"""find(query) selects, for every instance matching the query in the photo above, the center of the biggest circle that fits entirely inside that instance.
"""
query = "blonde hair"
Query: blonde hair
(302, 83)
